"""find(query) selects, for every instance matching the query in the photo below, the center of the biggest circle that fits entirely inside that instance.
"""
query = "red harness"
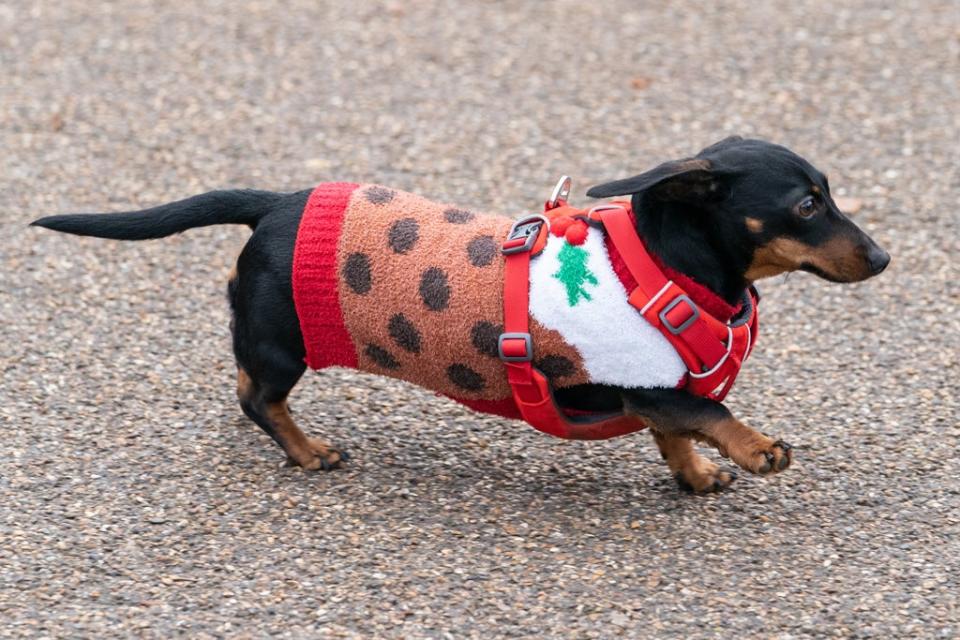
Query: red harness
(712, 350)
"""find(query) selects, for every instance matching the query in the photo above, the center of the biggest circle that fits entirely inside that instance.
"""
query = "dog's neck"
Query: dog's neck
(687, 245)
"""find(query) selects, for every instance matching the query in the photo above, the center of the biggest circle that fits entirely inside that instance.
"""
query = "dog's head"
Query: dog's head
(758, 208)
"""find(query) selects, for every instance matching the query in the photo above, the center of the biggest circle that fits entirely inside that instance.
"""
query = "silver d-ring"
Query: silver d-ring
(561, 191)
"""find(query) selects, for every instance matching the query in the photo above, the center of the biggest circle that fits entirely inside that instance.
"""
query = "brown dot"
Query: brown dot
(403, 235)
(481, 250)
(404, 333)
(465, 377)
(555, 366)
(434, 289)
(458, 216)
(381, 356)
(379, 195)
(485, 336)
(356, 271)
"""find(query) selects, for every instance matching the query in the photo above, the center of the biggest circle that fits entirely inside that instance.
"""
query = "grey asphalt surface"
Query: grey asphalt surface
(135, 498)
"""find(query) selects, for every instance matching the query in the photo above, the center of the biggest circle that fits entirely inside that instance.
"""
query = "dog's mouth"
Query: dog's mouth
(820, 273)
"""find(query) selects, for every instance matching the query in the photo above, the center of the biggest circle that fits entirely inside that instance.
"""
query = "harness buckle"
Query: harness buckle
(675, 324)
(515, 347)
(523, 234)
(594, 216)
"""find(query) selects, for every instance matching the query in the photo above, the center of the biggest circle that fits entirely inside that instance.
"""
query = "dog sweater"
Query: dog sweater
(391, 283)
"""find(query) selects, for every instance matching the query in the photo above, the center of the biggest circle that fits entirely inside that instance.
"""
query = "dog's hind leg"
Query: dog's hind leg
(266, 404)
(268, 345)
(691, 470)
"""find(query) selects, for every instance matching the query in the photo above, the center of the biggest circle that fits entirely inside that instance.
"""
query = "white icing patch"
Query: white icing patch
(617, 345)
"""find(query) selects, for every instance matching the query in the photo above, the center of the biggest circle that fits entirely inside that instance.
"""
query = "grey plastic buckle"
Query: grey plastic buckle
(528, 347)
(694, 314)
(527, 228)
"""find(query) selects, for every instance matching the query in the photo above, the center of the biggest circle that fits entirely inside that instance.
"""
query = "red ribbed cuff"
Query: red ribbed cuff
(316, 281)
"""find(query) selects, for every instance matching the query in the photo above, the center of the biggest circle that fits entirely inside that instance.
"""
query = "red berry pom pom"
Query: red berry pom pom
(576, 233)
(560, 224)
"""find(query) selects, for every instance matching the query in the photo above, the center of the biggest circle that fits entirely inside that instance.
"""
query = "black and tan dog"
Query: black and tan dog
(739, 211)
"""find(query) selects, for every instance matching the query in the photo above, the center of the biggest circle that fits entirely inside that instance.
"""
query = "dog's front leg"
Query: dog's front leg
(673, 413)
(750, 449)
(691, 470)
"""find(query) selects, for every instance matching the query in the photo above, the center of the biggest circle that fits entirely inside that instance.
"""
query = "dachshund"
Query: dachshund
(738, 211)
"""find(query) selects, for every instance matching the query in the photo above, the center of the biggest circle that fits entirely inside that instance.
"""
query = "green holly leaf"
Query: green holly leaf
(574, 274)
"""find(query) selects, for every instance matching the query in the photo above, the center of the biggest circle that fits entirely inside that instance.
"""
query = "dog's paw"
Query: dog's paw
(767, 457)
(321, 456)
(703, 476)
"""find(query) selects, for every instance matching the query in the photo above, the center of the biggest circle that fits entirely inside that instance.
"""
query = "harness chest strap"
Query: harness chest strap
(531, 389)
(711, 350)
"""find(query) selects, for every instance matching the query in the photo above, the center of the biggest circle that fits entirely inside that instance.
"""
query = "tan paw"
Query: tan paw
(703, 476)
(768, 456)
(319, 455)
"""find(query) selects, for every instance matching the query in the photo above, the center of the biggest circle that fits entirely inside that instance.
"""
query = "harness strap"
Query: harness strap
(711, 350)
(531, 388)
(662, 303)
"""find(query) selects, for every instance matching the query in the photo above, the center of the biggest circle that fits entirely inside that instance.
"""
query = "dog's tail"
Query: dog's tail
(216, 207)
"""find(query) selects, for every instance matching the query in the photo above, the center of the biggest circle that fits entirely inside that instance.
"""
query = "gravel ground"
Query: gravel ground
(135, 499)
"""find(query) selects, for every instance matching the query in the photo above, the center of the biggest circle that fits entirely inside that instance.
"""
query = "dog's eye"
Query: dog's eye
(807, 207)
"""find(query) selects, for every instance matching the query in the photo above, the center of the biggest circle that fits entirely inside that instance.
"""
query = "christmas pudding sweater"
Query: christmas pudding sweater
(391, 283)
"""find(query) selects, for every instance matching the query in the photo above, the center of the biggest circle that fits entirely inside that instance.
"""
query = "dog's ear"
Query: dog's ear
(690, 180)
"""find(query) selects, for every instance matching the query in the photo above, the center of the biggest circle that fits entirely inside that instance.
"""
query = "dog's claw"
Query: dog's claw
(785, 459)
(718, 484)
(775, 459)
(768, 465)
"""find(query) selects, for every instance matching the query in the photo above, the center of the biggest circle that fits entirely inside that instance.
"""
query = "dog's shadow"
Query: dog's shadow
(487, 465)
(423, 458)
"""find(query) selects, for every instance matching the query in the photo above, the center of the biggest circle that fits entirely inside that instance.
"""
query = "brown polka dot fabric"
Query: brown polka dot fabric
(404, 333)
(458, 216)
(465, 377)
(378, 195)
(482, 250)
(381, 357)
(356, 272)
(434, 289)
(555, 367)
(485, 337)
(421, 295)
(550, 350)
(403, 235)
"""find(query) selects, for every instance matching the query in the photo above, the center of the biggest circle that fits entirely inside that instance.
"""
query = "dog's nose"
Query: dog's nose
(878, 259)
